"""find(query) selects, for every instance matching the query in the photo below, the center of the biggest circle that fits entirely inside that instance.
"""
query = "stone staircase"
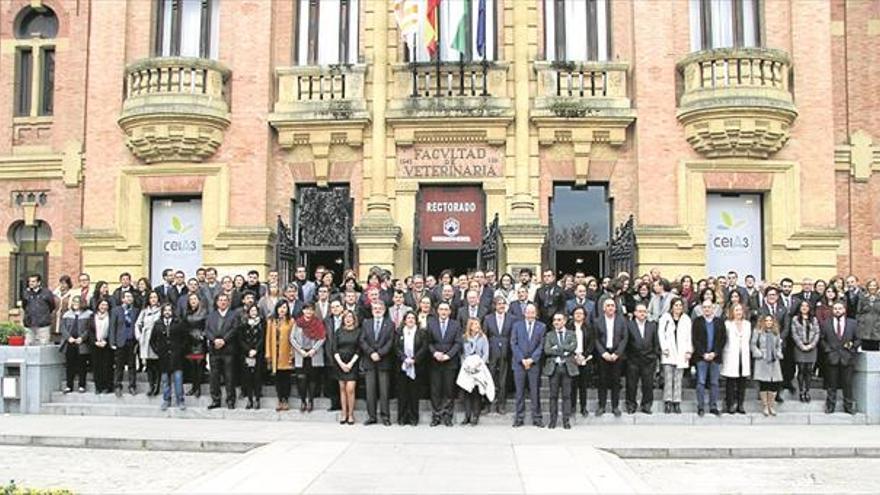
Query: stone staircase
(791, 412)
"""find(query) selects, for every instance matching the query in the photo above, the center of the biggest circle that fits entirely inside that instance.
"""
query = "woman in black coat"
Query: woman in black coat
(252, 339)
(169, 342)
(411, 346)
(194, 326)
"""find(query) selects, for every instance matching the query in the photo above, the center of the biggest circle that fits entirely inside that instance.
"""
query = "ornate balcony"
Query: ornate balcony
(317, 107)
(736, 102)
(175, 109)
(589, 98)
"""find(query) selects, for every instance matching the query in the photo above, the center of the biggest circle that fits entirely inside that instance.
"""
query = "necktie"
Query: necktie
(376, 326)
(840, 328)
(443, 329)
(559, 339)
(76, 325)
(473, 312)
(529, 330)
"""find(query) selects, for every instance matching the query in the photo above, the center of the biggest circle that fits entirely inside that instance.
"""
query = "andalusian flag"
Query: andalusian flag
(458, 20)
(429, 31)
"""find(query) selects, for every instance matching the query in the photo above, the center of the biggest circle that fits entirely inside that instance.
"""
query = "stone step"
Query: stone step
(688, 394)
(269, 414)
(141, 399)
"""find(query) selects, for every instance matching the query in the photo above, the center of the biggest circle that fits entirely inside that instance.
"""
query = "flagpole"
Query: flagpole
(439, 44)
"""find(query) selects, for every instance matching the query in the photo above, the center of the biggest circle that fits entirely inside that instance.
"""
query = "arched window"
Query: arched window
(35, 31)
(29, 255)
(725, 24)
(187, 28)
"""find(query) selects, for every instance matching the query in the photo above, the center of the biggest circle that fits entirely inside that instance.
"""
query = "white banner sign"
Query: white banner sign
(176, 238)
(734, 237)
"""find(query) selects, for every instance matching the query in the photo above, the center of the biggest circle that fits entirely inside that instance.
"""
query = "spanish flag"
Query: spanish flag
(429, 32)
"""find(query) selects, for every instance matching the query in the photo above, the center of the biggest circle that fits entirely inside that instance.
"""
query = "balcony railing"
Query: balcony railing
(175, 108)
(178, 76)
(320, 92)
(582, 89)
(431, 79)
(736, 101)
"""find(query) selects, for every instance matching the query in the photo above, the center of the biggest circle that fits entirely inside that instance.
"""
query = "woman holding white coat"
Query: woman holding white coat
(676, 348)
(736, 363)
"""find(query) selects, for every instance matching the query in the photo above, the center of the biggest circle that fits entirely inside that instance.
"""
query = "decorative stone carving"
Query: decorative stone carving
(736, 102)
(175, 108)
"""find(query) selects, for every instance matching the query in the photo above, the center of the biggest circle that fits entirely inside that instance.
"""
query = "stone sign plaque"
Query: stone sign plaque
(459, 161)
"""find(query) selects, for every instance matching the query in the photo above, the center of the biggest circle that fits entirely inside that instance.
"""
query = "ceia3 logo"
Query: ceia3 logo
(731, 240)
(178, 229)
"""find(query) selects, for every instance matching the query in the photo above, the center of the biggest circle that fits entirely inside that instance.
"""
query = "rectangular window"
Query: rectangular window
(187, 28)
(24, 73)
(577, 30)
(725, 24)
(47, 82)
(458, 16)
(326, 32)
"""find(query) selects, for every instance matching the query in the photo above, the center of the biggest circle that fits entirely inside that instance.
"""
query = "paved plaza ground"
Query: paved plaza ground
(156, 455)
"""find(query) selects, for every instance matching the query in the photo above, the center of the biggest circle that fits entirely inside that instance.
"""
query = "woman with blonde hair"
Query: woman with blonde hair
(279, 352)
(474, 355)
(766, 347)
(736, 359)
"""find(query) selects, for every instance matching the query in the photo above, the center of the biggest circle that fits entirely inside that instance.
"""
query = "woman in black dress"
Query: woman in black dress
(194, 326)
(345, 357)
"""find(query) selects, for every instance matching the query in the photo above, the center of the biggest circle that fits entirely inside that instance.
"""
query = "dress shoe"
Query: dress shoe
(198, 392)
(132, 390)
(701, 412)
(829, 408)
(342, 421)
(779, 398)
(191, 391)
(517, 423)
(370, 421)
(538, 423)
(807, 396)
(630, 409)
(435, 422)
(740, 409)
(566, 424)
(311, 406)
(600, 411)
(676, 408)
(617, 412)
(475, 421)
(849, 410)
(257, 403)
(250, 404)
(646, 409)
(214, 405)
(447, 421)
(67, 390)
(584, 412)
(302, 406)
(466, 420)
(715, 411)
(667, 407)
(730, 408)
(81, 390)
(230, 405)
(386, 422)
(551, 425)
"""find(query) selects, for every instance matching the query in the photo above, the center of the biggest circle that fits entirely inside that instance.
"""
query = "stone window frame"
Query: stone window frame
(34, 72)
(347, 53)
(18, 257)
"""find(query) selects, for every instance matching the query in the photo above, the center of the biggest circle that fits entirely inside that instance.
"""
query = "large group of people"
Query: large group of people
(460, 336)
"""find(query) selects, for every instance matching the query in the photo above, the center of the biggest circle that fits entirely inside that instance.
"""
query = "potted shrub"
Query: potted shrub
(11, 334)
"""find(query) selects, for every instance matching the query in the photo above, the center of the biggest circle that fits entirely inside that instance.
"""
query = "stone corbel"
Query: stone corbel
(582, 161)
(320, 142)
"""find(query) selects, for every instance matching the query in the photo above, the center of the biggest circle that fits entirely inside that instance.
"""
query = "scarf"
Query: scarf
(313, 329)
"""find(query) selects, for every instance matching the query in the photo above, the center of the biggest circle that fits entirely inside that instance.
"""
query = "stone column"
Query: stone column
(523, 235)
(377, 236)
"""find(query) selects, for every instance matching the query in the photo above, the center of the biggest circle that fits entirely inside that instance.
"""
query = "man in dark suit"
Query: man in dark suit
(444, 345)
(559, 367)
(414, 296)
(527, 345)
(853, 292)
(580, 301)
(377, 343)
(733, 286)
(773, 306)
(294, 303)
(221, 328)
(447, 295)
(642, 353)
(517, 309)
(611, 340)
(709, 338)
(166, 288)
(122, 342)
(497, 326)
(549, 298)
(332, 324)
(472, 309)
(840, 343)
(806, 294)
(486, 294)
